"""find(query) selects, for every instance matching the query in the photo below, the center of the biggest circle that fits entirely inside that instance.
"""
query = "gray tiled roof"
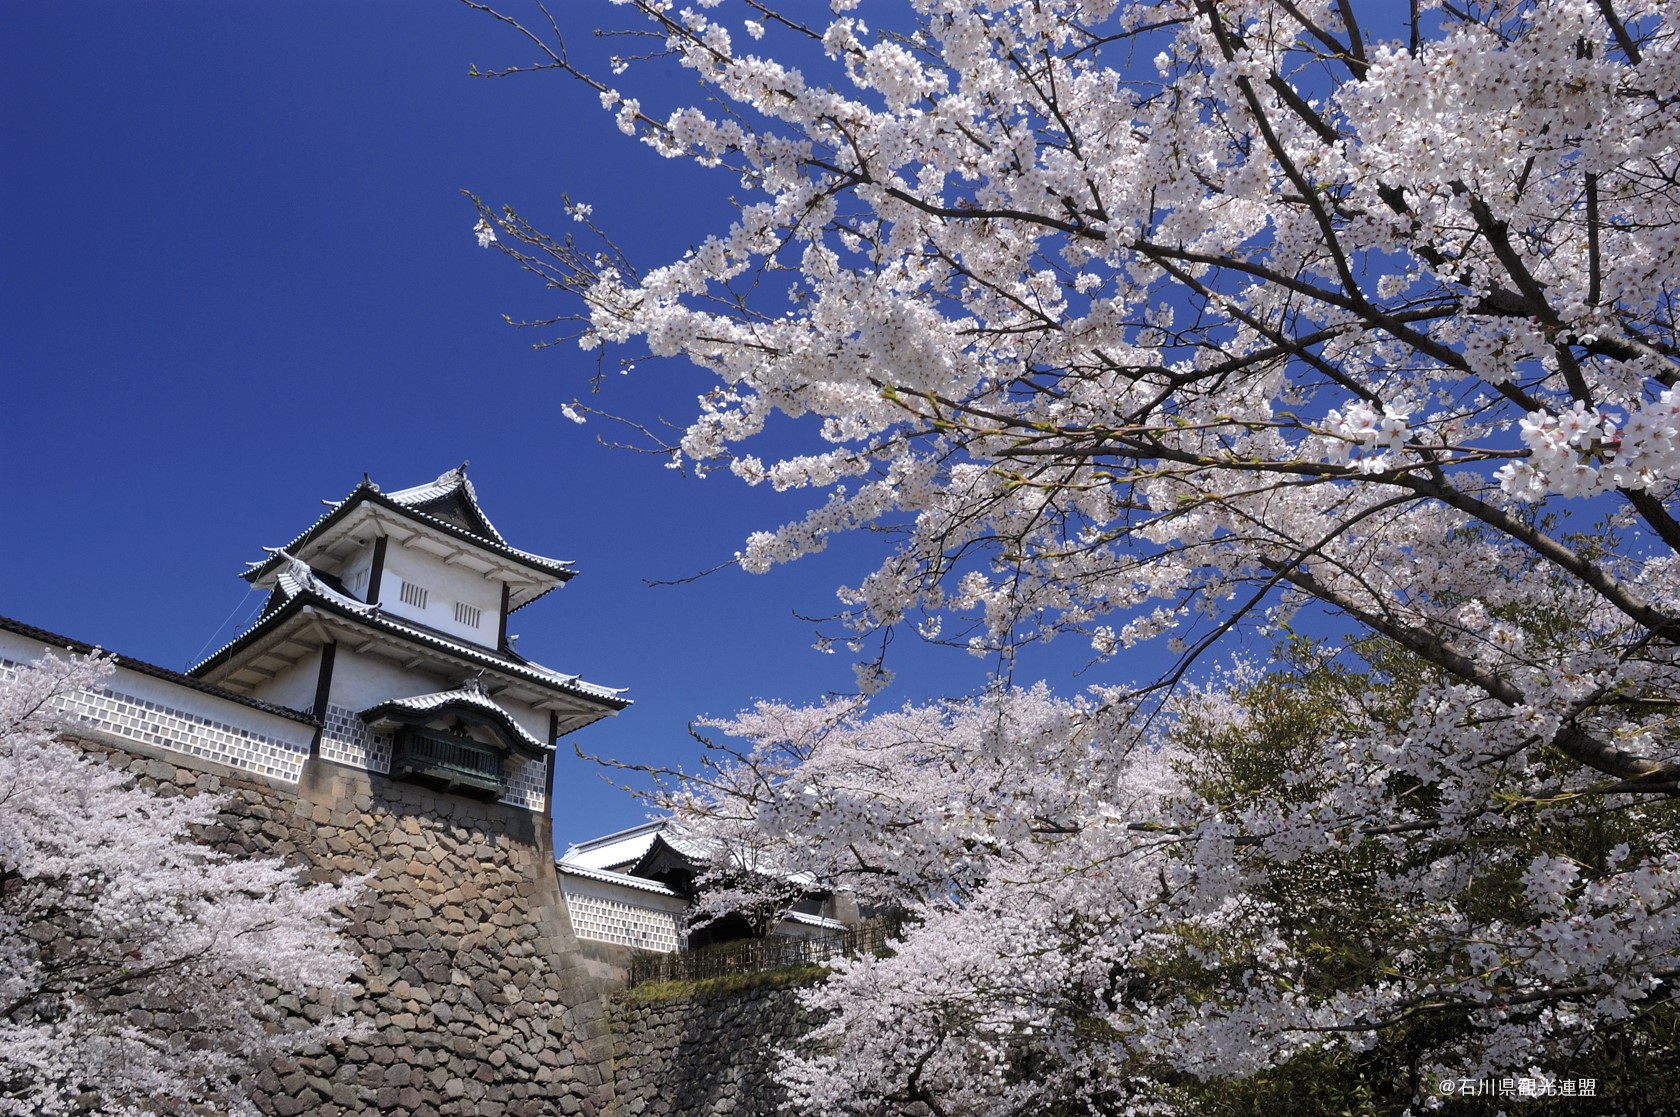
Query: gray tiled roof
(462, 696)
(625, 847)
(296, 584)
(410, 502)
(448, 484)
(629, 847)
(79, 647)
(572, 868)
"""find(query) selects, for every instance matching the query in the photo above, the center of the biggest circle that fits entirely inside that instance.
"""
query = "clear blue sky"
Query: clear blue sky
(237, 271)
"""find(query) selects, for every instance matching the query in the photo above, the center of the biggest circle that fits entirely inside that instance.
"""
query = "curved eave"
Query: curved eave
(662, 850)
(404, 711)
(604, 876)
(809, 920)
(556, 572)
(307, 607)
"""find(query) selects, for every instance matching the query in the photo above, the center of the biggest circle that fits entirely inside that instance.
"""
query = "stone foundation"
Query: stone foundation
(473, 997)
(703, 1056)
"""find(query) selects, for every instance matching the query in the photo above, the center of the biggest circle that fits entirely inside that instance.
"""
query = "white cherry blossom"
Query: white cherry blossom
(110, 911)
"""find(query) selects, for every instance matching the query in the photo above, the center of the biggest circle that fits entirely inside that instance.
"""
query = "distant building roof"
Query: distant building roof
(617, 850)
(641, 884)
(637, 849)
(810, 920)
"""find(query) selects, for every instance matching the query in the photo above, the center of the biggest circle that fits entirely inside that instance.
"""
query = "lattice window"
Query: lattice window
(467, 614)
(456, 763)
(414, 595)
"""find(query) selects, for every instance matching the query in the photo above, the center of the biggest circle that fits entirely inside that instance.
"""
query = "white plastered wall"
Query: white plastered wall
(534, 722)
(293, 687)
(360, 681)
(356, 572)
(445, 585)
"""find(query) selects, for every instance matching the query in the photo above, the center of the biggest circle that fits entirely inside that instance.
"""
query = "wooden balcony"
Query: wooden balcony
(453, 763)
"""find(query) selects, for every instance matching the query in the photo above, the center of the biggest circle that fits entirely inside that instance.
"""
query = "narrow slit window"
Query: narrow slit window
(467, 614)
(414, 595)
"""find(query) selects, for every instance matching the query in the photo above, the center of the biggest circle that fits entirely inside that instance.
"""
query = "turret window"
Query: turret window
(468, 615)
(414, 595)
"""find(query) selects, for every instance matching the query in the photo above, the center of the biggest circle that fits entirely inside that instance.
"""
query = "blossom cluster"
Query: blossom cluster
(1584, 451)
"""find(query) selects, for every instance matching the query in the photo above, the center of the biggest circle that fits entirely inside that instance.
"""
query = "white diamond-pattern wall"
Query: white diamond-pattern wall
(345, 739)
(127, 717)
(525, 783)
(615, 920)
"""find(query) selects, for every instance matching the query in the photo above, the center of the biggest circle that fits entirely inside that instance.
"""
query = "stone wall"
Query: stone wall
(703, 1055)
(473, 998)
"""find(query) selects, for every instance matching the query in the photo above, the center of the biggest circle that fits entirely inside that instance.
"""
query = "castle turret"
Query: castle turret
(375, 725)
(387, 620)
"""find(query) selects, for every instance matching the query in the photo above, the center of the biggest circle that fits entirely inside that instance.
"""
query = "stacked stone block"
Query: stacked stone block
(473, 998)
(704, 1056)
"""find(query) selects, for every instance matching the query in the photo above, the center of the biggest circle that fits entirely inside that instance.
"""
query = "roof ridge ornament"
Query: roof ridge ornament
(454, 477)
(295, 566)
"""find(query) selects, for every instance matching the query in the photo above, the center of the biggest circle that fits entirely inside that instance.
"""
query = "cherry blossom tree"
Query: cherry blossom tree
(1155, 324)
(1257, 904)
(139, 969)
